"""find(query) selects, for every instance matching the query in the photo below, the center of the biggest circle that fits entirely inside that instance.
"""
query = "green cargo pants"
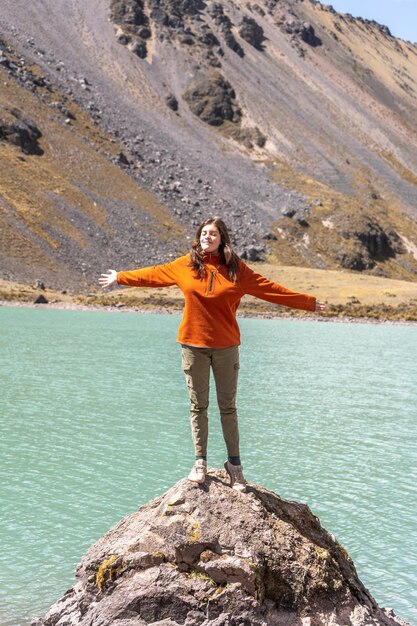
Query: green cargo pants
(196, 363)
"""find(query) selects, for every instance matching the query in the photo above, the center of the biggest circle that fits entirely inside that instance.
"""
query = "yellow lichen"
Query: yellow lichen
(196, 531)
(107, 572)
(196, 574)
(322, 553)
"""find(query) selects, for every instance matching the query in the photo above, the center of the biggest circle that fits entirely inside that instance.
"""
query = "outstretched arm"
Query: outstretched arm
(155, 276)
(109, 279)
(260, 287)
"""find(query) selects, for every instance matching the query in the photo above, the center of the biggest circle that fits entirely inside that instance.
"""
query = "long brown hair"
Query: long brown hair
(227, 255)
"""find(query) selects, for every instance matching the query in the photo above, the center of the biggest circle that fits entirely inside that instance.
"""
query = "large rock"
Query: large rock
(210, 556)
(368, 242)
(224, 23)
(251, 32)
(304, 30)
(212, 98)
(20, 130)
(134, 23)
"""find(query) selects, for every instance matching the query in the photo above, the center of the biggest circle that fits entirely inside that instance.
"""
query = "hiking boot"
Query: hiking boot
(235, 472)
(198, 472)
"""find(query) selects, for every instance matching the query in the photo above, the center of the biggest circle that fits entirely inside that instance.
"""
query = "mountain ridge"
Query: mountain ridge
(313, 162)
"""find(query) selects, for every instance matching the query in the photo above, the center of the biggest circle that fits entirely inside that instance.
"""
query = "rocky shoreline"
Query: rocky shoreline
(159, 310)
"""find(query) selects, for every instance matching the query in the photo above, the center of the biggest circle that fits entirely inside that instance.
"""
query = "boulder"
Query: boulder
(372, 242)
(172, 102)
(212, 98)
(251, 32)
(355, 259)
(211, 556)
(253, 253)
(304, 30)
(309, 36)
(138, 47)
(40, 299)
(232, 43)
(20, 130)
(127, 12)
(288, 212)
(122, 159)
(270, 237)
(225, 25)
(3, 59)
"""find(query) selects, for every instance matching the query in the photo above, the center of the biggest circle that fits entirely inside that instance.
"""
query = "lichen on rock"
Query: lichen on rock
(256, 560)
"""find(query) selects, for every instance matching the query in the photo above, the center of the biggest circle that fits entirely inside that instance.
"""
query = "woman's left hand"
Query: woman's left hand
(320, 306)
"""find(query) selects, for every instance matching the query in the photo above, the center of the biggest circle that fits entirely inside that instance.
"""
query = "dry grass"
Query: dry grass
(339, 287)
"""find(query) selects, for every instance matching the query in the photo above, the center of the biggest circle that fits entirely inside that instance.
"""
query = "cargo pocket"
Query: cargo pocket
(186, 364)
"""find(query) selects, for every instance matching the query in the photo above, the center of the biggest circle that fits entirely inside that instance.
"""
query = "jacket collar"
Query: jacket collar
(211, 257)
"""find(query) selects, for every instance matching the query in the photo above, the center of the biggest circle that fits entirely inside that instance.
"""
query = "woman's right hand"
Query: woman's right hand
(109, 279)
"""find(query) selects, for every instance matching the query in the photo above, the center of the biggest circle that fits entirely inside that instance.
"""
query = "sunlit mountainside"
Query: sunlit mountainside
(124, 122)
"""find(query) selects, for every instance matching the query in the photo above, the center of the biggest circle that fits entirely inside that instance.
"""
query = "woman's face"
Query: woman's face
(210, 238)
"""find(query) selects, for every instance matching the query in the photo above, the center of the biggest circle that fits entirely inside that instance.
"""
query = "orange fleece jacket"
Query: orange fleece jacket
(209, 318)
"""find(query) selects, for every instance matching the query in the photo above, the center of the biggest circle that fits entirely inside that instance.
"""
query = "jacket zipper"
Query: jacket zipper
(210, 287)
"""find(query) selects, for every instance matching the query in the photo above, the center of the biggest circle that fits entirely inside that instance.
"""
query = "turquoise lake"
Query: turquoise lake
(94, 423)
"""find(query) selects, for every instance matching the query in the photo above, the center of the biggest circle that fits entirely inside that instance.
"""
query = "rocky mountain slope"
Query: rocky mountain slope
(294, 122)
(211, 556)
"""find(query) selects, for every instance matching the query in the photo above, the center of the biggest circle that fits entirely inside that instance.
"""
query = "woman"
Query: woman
(213, 280)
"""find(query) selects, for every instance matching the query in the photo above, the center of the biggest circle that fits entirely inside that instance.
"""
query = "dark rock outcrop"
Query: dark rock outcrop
(224, 24)
(212, 99)
(130, 15)
(355, 259)
(173, 19)
(180, 21)
(309, 36)
(304, 30)
(20, 130)
(251, 32)
(172, 102)
(371, 243)
(253, 253)
(210, 556)
(40, 299)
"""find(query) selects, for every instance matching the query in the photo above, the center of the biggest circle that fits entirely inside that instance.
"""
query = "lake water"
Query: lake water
(94, 423)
